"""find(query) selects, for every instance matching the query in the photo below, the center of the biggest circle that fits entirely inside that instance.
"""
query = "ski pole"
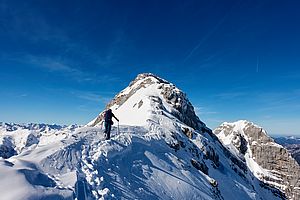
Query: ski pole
(102, 125)
(118, 128)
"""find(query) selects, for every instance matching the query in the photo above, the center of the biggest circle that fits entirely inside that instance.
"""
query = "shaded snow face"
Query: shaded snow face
(7, 148)
(135, 104)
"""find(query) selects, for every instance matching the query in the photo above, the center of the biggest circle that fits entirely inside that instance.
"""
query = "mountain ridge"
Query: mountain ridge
(269, 161)
(161, 151)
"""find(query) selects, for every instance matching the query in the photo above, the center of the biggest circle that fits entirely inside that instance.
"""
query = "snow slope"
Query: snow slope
(161, 150)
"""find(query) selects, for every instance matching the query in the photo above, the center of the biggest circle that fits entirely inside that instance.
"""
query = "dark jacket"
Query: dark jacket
(108, 116)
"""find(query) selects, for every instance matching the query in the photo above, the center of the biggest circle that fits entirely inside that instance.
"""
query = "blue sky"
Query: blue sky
(61, 61)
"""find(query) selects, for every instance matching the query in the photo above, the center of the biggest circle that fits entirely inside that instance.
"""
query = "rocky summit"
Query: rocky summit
(148, 88)
(270, 162)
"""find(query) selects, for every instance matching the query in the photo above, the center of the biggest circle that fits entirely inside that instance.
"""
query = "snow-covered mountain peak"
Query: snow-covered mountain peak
(149, 95)
(239, 125)
(267, 160)
(161, 150)
(145, 76)
(227, 132)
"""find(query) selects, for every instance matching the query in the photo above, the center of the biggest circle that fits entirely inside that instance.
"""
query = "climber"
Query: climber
(108, 122)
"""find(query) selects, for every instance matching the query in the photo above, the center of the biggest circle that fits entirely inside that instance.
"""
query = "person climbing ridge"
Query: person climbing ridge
(108, 122)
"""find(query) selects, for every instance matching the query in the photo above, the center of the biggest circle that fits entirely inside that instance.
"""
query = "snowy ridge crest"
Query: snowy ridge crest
(161, 150)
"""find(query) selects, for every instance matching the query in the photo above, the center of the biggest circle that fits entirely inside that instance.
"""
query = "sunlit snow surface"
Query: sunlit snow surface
(137, 163)
(148, 157)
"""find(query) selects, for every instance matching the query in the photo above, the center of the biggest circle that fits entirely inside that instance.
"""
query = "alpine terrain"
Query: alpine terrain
(160, 150)
(268, 161)
(292, 144)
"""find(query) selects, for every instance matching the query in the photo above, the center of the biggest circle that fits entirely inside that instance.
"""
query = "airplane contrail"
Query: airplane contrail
(257, 65)
(211, 32)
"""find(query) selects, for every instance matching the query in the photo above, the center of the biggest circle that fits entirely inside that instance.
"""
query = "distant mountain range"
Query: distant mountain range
(292, 144)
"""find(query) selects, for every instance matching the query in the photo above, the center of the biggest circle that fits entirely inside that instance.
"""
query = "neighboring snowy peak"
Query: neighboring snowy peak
(242, 129)
(269, 161)
(147, 95)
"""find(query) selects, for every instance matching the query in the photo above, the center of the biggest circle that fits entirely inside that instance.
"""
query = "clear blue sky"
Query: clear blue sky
(61, 61)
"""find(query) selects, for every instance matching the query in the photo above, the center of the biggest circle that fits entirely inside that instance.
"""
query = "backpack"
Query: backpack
(108, 116)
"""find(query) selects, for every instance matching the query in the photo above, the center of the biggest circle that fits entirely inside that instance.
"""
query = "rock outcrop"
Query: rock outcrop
(292, 144)
(269, 161)
(7, 148)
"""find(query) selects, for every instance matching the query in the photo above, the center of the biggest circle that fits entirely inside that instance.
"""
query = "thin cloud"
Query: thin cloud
(288, 126)
(230, 95)
(29, 25)
(55, 65)
(204, 39)
(280, 101)
(50, 64)
(32, 27)
(59, 66)
(291, 76)
(209, 34)
(83, 108)
(95, 97)
(23, 95)
(13, 94)
(280, 97)
(203, 111)
(215, 120)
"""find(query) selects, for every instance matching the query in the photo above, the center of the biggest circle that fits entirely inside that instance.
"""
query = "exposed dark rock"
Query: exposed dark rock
(31, 139)
(7, 148)
(200, 166)
(140, 103)
(175, 146)
(184, 110)
(187, 131)
(212, 155)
